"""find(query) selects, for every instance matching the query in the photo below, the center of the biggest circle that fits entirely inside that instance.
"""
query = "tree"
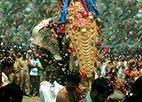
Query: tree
(121, 23)
(18, 17)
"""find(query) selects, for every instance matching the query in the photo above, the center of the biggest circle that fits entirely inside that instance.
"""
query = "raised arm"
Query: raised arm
(61, 4)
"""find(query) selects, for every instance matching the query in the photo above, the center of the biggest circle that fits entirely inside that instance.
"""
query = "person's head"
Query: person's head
(18, 54)
(7, 65)
(35, 55)
(73, 80)
(24, 56)
(137, 86)
(11, 93)
(101, 88)
(51, 75)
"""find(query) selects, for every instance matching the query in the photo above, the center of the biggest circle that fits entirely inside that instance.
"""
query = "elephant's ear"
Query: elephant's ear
(43, 36)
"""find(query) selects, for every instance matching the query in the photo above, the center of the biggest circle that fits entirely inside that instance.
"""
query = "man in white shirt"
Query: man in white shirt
(35, 66)
(49, 89)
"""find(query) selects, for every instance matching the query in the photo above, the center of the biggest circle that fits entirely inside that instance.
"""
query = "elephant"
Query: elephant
(72, 45)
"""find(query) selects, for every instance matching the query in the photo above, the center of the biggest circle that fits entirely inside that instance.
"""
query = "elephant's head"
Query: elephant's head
(45, 35)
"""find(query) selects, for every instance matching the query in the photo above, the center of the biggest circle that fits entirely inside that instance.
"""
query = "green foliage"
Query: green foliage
(121, 23)
(19, 17)
(121, 19)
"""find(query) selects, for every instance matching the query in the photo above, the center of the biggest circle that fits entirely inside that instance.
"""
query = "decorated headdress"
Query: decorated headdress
(90, 5)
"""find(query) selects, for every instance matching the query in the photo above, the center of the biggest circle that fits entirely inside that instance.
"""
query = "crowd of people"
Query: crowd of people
(30, 71)
(23, 69)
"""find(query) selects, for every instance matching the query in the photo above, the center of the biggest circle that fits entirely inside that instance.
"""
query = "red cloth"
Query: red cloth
(78, 94)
